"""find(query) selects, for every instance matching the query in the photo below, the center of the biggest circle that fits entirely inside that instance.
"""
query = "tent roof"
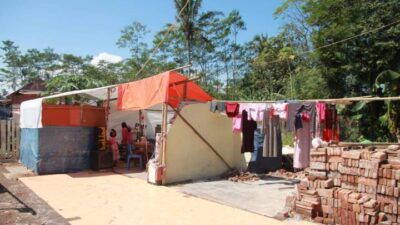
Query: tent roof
(168, 87)
(99, 93)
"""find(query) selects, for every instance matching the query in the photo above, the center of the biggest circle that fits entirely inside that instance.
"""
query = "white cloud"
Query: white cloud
(104, 56)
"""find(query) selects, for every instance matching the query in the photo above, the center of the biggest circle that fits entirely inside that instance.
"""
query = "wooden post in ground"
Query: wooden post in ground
(3, 136)
(107, 110)
(9, 139)
(164, 138)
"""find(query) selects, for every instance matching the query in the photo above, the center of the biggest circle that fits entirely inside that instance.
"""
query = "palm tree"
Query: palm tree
(192, 23)
(186, 17)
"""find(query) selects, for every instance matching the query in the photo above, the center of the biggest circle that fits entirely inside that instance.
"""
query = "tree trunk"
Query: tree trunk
(189, 52)
(234, 66)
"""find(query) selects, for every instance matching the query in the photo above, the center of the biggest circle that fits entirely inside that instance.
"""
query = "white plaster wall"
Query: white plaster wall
(189, 158)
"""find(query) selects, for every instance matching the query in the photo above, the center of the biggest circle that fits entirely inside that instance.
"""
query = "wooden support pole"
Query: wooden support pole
(202, 138)
(164, 133)
(107, 109)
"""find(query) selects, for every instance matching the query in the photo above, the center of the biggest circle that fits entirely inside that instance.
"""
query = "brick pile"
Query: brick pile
(350, 187)
(335, 159)
(319, 185)
(349, 169)
(354, 208)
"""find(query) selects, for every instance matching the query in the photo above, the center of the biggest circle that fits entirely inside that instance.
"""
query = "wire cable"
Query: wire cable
(162, 41)
(337, 42)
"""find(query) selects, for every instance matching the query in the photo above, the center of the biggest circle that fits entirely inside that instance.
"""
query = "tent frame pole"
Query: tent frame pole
(107, 109)
(164, 133)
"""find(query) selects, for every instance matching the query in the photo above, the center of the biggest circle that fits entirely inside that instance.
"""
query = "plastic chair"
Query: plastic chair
(130, 155)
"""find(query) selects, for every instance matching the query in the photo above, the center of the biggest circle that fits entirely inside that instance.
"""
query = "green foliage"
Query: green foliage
(350, 68)
(132, 38)
(388, 82)
(68, 82)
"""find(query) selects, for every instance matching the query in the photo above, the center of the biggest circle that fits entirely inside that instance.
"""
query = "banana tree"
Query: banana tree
(387, 84)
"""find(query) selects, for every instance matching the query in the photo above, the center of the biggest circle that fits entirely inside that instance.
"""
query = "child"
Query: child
(114, 146)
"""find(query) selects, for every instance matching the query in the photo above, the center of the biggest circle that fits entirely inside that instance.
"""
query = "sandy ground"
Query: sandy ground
(109, 198)
(18, 204)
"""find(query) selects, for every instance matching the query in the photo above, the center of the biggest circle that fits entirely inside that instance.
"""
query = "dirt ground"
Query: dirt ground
(20, 205)
(125, 197)
(110, 198)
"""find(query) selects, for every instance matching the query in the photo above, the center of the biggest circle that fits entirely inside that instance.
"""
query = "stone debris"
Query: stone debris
(282, 173)
(241, 176)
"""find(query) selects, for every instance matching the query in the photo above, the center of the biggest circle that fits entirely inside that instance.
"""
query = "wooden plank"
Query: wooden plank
(3, 135)
(14, 141)
(17, 137)
(9, 149)
(13, 135)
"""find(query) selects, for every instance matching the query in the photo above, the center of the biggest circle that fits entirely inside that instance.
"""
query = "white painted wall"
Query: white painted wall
(189, 158)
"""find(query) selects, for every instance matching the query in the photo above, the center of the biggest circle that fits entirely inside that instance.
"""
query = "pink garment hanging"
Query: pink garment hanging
(255, 110)
(280, 109)
(237, 124)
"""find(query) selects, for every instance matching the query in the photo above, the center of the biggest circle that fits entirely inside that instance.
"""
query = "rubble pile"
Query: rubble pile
(282, 173)
(351, 187)
(240, 176)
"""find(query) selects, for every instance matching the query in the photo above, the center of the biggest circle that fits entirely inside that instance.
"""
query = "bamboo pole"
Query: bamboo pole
(334, 100)
(180, 68)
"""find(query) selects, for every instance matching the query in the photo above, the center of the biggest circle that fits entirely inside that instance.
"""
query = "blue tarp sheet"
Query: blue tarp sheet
(57, 149)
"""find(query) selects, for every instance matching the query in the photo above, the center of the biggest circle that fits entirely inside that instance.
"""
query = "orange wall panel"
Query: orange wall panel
(71, 115)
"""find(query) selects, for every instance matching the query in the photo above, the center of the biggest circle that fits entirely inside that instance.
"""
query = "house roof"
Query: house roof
(35, 87)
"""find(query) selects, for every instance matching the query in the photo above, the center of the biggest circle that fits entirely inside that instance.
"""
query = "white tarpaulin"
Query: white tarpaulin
(31, 114)
(31, 111)
(152, 118)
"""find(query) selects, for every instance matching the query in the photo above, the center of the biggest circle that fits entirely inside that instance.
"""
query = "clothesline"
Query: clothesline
(334, 100)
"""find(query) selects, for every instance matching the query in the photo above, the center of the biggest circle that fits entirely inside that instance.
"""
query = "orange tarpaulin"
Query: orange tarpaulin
(169, 87)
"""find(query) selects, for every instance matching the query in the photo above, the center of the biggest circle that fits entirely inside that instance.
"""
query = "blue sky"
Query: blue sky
(89, 27)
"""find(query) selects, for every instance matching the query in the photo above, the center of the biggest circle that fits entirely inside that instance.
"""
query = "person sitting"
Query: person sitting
(113, 143)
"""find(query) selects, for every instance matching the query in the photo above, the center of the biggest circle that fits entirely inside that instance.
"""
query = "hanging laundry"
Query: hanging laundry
(255, 110)
(320, 107)
(217, 106)
(237, 124)
(305, 110)
(258, 143)
(302, 145)
(291, 115)
(248, 128)
(272, 146)
(280, 109)
(331, 122)
(232, 109)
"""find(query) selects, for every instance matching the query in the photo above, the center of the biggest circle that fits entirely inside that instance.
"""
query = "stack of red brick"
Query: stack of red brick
(350, 187)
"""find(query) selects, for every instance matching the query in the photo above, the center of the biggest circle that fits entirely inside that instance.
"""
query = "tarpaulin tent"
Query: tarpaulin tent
(168, 87)
(196, 143)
